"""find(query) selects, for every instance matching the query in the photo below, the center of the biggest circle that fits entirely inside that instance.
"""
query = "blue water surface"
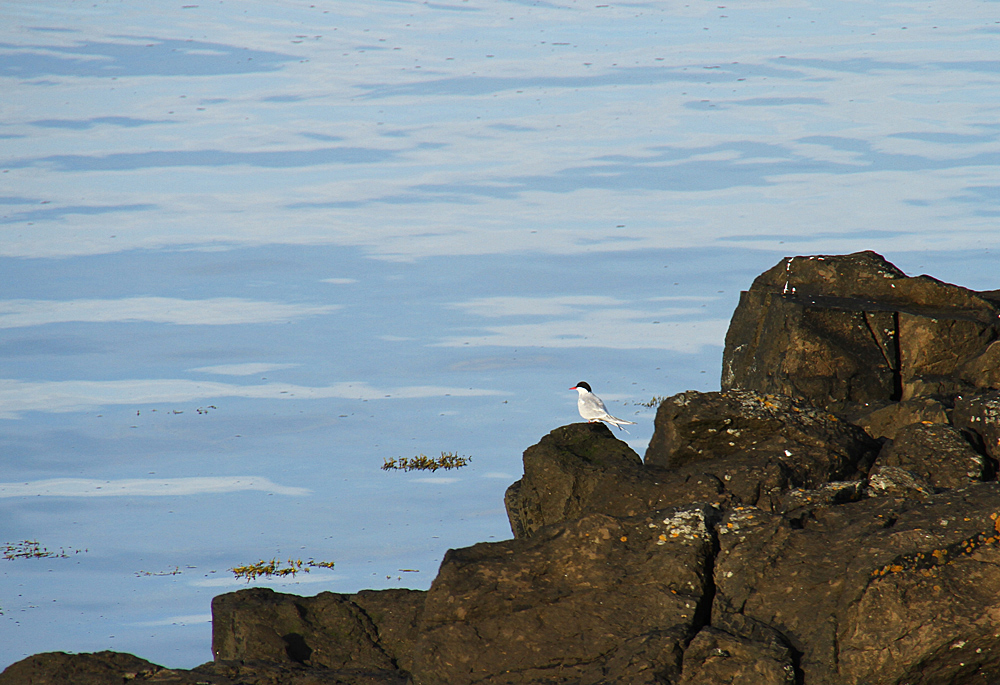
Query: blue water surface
(251, 251)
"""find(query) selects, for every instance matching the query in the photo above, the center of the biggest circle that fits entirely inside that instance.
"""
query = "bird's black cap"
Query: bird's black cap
(585, 385)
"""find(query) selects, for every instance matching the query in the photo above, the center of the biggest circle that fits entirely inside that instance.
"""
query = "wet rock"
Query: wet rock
(371, 631)
(937, 454)
(596, 600)
(853, 329)
(876, 591)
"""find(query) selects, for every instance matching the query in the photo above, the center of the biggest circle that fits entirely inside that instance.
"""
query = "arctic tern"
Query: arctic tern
(592, 408)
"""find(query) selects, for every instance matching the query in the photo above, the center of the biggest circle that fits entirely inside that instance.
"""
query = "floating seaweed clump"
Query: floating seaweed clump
(447, 460)
(274, 567)
(32, 549)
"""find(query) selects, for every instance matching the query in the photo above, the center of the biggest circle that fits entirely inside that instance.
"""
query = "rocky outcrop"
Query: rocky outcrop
(729, 448)
(855, 330)
(877, 591)
(831, 517)
(938, 454)
(99, 668)
(597, 599)
(370, 632)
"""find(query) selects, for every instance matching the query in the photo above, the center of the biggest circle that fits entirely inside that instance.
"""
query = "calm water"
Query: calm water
(249, 251)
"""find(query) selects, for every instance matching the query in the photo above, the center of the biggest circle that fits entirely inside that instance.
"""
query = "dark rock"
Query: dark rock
(595, 600)
(937, 454)
(876, 591)
(892, 481)
(854, 329)
(886, 421)
(980, 414)
(725, 448)
(256, 672)
(757, 446)
(99, 668)
(720, 658)
(798, 503)
(395, 614)
(370, 631)
(583, 468)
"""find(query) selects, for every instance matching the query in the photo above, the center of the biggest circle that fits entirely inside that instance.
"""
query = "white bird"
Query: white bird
(592, 408)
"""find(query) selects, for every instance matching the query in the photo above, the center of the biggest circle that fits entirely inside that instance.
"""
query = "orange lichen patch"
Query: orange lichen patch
(663, 537)
(996, 525)
(729, 525)
(624, 538)
(926, 563)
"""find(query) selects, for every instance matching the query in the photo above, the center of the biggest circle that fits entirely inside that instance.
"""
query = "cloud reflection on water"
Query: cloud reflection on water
(145, 487)
(135, 56)
(214, 311)
(18, 397)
